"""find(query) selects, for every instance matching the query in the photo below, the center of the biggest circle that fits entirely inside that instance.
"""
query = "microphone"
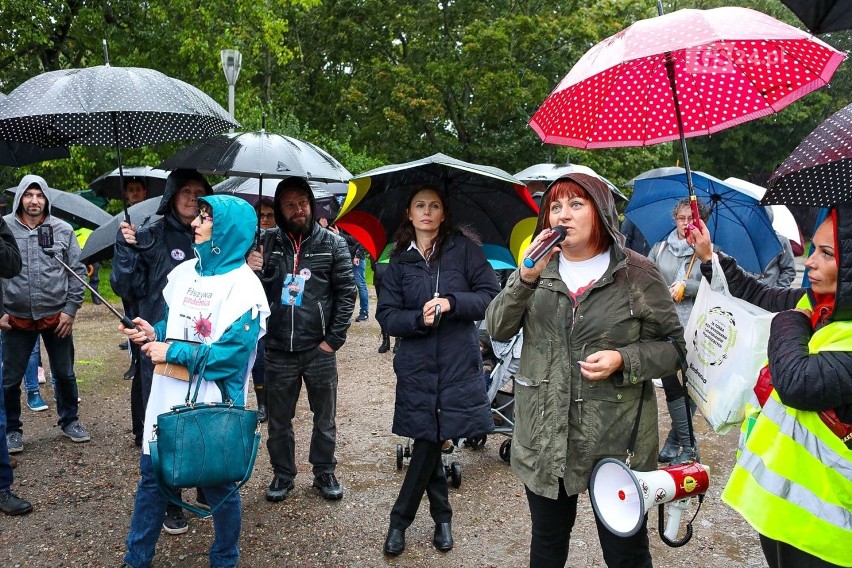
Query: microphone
(557, 235)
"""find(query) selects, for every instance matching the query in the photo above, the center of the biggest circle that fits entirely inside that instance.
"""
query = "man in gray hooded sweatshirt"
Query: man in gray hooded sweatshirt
(41, 301)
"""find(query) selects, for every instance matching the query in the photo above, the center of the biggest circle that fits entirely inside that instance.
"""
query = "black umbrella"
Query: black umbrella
(821, 16)
(109, 185)
(496, 205)
(247, 188)
(100, 244)
(17, 154)
(108, 106)
(259, 154)
(73, 208)
(819, 171)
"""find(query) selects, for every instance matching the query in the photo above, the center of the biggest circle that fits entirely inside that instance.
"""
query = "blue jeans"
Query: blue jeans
(18, 345)
(285, 371)
(31, 374)
(149, 510)
(361, 284)
(5, 465)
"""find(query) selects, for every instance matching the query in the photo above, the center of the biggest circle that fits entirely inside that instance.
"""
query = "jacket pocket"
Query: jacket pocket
(530, 396)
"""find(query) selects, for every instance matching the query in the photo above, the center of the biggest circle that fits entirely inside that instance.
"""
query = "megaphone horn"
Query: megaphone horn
(621, 496)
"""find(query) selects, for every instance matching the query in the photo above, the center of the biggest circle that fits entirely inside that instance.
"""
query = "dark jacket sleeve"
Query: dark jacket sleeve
(471, 305)
(343, 295)
(391, 313)
(10, 256)
(808, 382)
(129, 277)
(748, 288)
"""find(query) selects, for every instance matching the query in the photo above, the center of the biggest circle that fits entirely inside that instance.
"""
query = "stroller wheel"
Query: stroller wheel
(476, 443)
(399, 456)
(506, 451)
(455, 474)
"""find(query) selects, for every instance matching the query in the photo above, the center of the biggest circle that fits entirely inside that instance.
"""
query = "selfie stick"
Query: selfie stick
(46, 241)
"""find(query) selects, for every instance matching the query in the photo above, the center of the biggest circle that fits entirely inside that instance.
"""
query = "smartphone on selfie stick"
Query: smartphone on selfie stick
(45, 241)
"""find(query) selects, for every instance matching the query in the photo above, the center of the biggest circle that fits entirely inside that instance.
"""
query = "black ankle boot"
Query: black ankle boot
(260, 394)
(385, 346)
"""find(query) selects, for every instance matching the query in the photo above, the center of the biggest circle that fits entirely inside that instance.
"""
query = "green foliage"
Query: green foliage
(382, 81)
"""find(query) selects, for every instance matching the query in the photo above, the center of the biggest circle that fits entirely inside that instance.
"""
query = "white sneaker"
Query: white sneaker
(657, 383)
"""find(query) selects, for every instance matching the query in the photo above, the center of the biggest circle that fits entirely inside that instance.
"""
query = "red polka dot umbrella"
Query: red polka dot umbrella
(683, 74)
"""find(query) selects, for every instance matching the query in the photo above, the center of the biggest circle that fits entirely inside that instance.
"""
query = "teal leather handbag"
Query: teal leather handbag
(204, 444)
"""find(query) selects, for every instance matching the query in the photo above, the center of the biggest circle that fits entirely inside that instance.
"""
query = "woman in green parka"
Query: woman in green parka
(599, 324)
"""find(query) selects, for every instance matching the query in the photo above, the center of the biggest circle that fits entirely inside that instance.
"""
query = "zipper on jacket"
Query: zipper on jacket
(579, 400)
(322, 317)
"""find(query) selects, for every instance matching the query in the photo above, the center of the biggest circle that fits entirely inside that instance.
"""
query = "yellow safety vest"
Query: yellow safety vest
(793, 478)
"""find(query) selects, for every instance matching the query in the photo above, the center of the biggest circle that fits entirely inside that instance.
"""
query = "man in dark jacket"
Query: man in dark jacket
(10, 266)
(142, 262)
(307, 274)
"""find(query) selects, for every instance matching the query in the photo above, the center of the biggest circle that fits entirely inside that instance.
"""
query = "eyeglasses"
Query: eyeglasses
(267, 215)
(205, 218)
(682, 219)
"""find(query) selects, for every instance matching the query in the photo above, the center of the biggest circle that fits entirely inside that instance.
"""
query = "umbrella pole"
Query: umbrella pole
(259, 199)
(670, 71)
(120, 167)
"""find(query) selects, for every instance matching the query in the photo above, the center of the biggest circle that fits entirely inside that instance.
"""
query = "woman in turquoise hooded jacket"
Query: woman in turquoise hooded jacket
(215, 308)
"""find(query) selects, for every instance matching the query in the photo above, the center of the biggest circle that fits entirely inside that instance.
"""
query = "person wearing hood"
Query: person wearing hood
(306, 272)
(599, 325)
(214, 308)
(41, 301)
(144, 257)
(792, 480)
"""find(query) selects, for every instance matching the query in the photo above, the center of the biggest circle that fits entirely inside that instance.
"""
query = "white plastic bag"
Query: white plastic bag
(726, 341)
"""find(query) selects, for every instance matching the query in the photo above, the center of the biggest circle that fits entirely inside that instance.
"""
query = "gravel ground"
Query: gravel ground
(83, 493)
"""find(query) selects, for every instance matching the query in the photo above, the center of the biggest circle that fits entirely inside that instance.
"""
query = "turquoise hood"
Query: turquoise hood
(234, 224)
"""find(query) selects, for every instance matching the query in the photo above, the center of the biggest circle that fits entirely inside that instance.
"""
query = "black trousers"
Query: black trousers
(425, 475)
(782, 555)
(673, 388)
(552, 521)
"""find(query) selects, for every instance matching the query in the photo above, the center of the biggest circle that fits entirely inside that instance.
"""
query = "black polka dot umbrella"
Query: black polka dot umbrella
(683, 74)
(108, 106)
(17, 154)
(819, 171)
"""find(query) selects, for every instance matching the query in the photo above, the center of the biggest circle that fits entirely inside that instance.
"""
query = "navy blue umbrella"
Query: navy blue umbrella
(738, 224)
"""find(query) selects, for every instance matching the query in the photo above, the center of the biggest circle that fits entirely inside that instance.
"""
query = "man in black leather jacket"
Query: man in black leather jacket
(307, 275)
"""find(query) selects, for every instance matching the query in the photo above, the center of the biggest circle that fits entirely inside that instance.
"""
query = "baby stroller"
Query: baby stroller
(452, 469)
(501, 391)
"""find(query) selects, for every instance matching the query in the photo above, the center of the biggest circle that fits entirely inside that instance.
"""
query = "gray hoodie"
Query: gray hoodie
(43, 287)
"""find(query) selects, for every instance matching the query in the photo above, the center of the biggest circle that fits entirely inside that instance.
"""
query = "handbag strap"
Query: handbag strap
(166, 492)
(631, 445)
(682, 358)
(196, 371)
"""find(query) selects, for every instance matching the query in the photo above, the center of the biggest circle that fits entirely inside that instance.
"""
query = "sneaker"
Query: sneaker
(76, 432)
(15, 442)
(41, 378)
(362, 317)
(11, 504)
(35, 402)
(657, 383)
(279, 488)
(328, 486)
(175, 522)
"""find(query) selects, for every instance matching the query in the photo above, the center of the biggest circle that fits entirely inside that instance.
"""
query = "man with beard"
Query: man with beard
(144, 256)
(41, 301)
(306, 272)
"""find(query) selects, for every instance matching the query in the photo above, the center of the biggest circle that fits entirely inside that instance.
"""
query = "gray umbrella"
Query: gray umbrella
(100, 244)
(247, 188)
(17, 154)
(108, 106)
(109, 184)
(72, 207)
(543, 174)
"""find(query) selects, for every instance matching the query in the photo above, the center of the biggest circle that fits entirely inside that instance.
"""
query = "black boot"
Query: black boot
(385, 346)
(395, 344)
(260, 395)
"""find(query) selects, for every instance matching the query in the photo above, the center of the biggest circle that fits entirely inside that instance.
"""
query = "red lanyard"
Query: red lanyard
(298, 247)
